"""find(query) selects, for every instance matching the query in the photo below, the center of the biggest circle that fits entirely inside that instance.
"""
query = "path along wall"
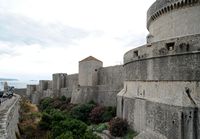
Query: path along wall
(9, 118)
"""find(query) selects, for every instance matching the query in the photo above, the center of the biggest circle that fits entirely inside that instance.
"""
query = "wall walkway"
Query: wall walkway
(9, 117)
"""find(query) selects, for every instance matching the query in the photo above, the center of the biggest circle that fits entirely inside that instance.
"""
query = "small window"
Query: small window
(135, 53)
(96, 70)
(187, 47)
(170, 46)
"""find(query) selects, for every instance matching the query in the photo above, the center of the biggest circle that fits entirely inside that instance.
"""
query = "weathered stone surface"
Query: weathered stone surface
(159, 63)
(167, 108)
(170, 19)
(88, 72)
(84, 94)
(9, 117)
(71, 85)
(110, 82)
(59, 81)
(148, 134)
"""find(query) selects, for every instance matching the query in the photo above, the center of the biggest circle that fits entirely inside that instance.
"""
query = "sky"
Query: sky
(42, 37)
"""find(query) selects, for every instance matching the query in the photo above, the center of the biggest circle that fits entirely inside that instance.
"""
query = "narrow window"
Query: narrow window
(170, 46)
(187, 47)
(135, 53)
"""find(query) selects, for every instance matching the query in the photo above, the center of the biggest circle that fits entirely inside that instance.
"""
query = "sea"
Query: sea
(17, 83)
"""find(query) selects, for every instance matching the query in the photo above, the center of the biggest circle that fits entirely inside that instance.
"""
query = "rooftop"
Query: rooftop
(90, 58)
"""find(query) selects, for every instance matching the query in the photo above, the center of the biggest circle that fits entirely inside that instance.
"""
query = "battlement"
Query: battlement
(168, 19)
(161, 7)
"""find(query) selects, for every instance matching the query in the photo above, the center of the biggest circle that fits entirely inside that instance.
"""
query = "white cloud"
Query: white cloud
(18, 29)
(41, 37)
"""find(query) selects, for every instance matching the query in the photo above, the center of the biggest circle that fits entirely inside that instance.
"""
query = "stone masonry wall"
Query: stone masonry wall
(110, 82)
(9, 117)
(84, 94)
(71, 84)
(150, 105)
(174, 59)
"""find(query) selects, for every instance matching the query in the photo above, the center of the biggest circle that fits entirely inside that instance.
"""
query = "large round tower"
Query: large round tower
(161, 95)
(168, 19)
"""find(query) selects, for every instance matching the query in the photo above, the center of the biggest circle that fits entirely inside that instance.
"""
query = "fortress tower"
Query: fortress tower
(168, 19)
(88, 71)
(161, 95)
(87, 81)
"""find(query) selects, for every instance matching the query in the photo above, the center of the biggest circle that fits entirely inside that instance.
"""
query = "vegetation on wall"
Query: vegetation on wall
(59, 119)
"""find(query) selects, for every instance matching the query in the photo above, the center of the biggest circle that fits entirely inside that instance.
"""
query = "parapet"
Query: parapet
(173, 59)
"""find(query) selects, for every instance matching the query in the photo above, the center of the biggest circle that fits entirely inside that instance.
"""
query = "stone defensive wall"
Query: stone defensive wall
(150, 108)
(109, 84)
(160, 98)
(21, 91)
(71, 84)
(9, 118)
(102, 89)
(168, 19)
(173, 59)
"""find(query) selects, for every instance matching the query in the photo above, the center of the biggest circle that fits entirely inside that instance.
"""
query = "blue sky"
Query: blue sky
(41, 37)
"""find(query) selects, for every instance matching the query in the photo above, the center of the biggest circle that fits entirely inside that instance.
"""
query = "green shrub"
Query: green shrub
(118, 127)
(58, 116)
(45, 122)
(66, 107)
(77, 128)
(101, 127)
(81, 112)
(67, 135)
(56, 103)
(130, 134)
(98, 128)
(50, 116)
(108, 114)
(90, 135)
(45, 103)
(63, 98)
(96, 114)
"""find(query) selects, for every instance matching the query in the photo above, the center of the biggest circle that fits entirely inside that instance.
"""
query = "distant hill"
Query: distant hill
(8, 79)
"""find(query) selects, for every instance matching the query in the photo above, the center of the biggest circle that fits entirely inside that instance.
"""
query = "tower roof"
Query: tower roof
(90, 58)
